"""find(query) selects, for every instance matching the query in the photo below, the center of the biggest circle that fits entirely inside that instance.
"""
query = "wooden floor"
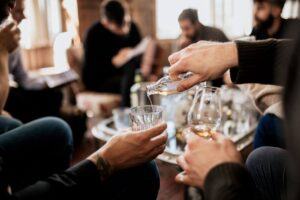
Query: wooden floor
(169, 190)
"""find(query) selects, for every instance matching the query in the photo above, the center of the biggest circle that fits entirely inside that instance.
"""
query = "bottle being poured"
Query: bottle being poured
(166, 86)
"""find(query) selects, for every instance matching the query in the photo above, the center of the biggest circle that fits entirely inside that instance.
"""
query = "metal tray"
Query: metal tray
(106, 129)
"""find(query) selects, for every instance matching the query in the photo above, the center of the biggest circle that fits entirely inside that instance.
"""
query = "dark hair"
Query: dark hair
(279, 3)
(189, 14)
(114, 11)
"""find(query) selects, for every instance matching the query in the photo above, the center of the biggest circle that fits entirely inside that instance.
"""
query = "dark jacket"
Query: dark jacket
(67, 185)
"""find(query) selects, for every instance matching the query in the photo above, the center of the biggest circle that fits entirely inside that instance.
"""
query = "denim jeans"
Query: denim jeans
(269, 132)
(36, 150)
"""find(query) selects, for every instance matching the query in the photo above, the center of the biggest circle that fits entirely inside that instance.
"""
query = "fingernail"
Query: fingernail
(180, 177)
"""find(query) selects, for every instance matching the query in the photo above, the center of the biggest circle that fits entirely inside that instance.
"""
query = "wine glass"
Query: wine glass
(204, 117)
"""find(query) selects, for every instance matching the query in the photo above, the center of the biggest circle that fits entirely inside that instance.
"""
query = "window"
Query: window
(42, 24)
(234, 17)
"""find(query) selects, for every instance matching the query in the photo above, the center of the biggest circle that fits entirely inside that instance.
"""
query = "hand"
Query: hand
(202, 155)
(121, 57)
(6, 114)
(207, 60)
(134, 148)
(183, 42)
(9, 38)
(146, 70)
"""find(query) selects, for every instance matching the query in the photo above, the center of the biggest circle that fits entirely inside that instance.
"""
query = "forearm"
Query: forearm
(261, 61)
(75, 182)
(4, 79)
(229, 181)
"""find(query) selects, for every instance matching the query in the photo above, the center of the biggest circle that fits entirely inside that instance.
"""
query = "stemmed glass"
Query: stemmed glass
(204, 117)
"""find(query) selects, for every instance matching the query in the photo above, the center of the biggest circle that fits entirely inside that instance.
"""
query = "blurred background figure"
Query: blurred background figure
(108, 43)
(31, 98)
(192, 30)
(268, 21)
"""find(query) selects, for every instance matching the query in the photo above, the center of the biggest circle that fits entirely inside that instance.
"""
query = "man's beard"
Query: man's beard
(265, 25)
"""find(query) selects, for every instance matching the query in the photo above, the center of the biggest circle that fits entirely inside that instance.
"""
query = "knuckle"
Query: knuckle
(188, 158)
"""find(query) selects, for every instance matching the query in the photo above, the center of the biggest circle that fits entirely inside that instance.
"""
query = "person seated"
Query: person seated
(192, 31)
(37, 99)
(30, 153)
(215, 165)
(33, 158)
(107, 42)
(268, 22)
(268, 102)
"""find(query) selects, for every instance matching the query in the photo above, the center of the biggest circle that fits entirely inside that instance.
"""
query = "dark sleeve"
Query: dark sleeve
(135, 35)
(74, 182)
(261, 61)
(222, 37)
(229, 181)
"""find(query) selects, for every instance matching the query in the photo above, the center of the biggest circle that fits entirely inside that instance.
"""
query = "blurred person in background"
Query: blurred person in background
(31, 99)
(108, 43)
(268, 22)
(192, 30)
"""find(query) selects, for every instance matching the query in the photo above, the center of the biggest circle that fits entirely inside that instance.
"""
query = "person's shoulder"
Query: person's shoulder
(216, 34)
(134, 26)
(214, 29)
(95, 28)
(292, 21)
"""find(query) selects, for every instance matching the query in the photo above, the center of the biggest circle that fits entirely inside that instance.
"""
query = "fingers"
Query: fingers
(174, 58)
(159, 140)
(153, 132)
(184, 179)
(182, 162)
(177, 68)
(190, 82)
(218, 137)
(157, 151)
(190, 135)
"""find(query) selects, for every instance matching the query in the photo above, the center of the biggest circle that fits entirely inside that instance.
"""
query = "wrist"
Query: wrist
(231, 53)
(103, 166)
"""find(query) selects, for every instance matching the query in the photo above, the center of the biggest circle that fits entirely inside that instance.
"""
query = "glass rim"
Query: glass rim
(157, 108)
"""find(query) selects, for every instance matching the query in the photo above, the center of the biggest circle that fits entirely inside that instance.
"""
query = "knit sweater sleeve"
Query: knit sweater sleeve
(261, 61)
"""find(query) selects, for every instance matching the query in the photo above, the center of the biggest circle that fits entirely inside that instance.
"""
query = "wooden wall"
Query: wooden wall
(37, 57)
